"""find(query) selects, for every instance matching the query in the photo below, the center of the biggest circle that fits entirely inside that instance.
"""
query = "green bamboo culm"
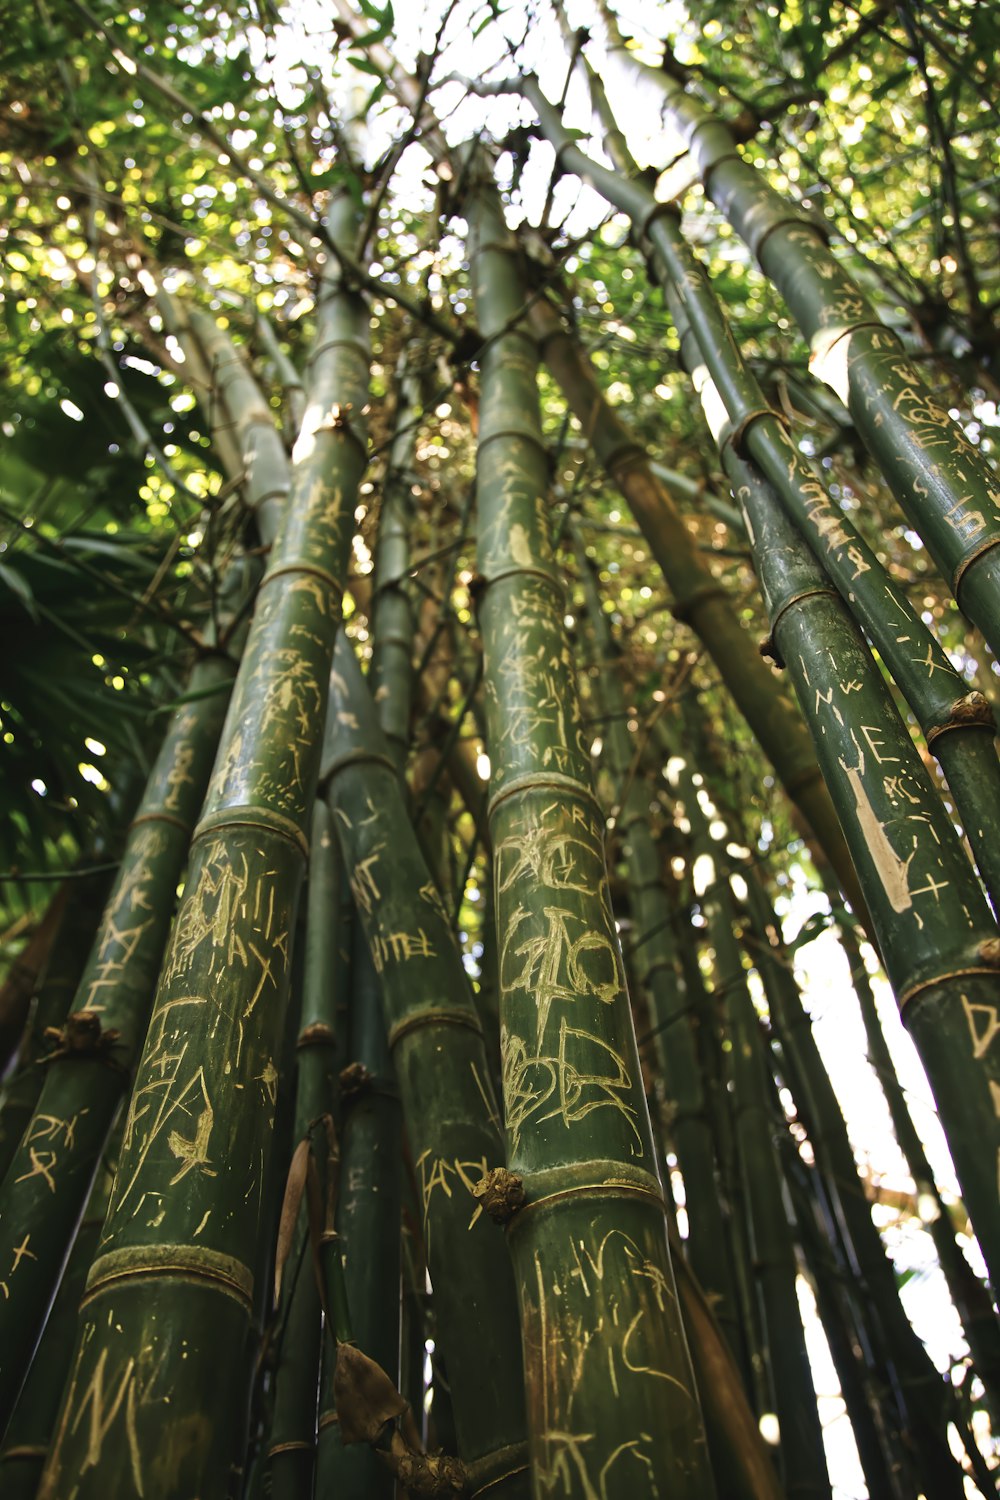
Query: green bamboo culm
(589, 1245)
(89, 1066)
(33, 1420)
(393, 619)
(291, 1448)
(369, 1201)
(925, 1402)
(329, 947)
(173, 1283)
(440, 1062)
(250, 420)
(803, 1463)
(957, 723)
(699, 599)
(935, 930)
(293, 389)
(672, 1021)
(971, 1298)
(63, 973)
(945, 488)
(870, 1406)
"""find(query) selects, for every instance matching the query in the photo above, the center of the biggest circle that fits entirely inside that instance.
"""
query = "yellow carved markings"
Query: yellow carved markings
(983, 1021)
(562, 963)
(535, 670)
(584, 1073)
(443, 1175)
(901, 791)
(400, 947)
(224, 904)
(19, 1252)
(568, 1335)
(555, 965)
(179, 774)
(104, 1403)
(192, 1151)
(47, 1137)
(124, 923)
(229, 950)
(163, 1101)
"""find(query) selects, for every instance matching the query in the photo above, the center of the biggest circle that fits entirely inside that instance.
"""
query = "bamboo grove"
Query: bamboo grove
(500, 578)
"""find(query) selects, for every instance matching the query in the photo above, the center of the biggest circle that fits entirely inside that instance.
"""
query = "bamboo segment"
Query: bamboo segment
(292, 1438)
(393, 620)
(942, 484)
(936, 933)
(50, 1173)
(33, 1420)
(970, 1297)
(739, 1457)
(958, 725)
(369, 1203)
(611, 1398)
(173, 1283)
(440, 1063)
(699, 599)
(926, 1402)
(62, 976)
(880, 1452)
(803, 1461)
(673, 1022)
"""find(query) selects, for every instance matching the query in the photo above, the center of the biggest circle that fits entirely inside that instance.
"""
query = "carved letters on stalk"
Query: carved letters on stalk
(555, 957)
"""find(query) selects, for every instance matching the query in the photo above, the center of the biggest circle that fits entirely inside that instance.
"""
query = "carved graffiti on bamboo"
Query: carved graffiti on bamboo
(179, 774)
(983, 1021)
(564, 1469)
(123, 925)
(400, 947)
(364, 886)
(167, 1098)
(822, 516)
(552, 963)
(555, 858)
(892, 868)
(443, 1175)
(585, 1073)
(45, 1139)
(103, 1403)
(617, 1330)
(432, 897)
(18, 1254)
(219, 914)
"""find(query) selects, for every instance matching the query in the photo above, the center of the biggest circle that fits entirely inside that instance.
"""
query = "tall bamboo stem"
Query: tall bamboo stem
(174, 1281)
(611, 1396)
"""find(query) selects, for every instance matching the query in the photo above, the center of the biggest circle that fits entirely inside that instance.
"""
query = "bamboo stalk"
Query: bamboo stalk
(609, 1384)
(62, 976)
(940, 480)
(673, 1020)
(174, 1281)
(29, 1431)
(958, 725)
(935, 930)
(369, 1205)
(926, 1403)
(700, 600)
(440, 1063)
(803, 1461)
(971, 1299)
(50, 1173)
